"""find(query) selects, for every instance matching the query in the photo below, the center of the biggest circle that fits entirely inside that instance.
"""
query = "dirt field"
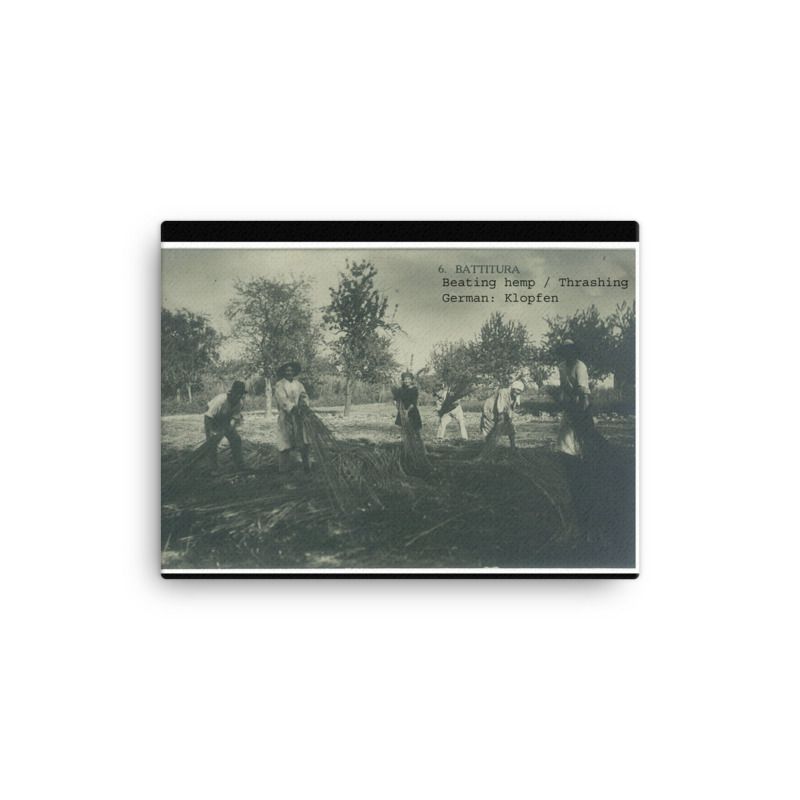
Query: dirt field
(523, 509)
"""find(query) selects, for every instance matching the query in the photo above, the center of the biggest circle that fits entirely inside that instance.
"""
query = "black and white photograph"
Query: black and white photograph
(410, 409)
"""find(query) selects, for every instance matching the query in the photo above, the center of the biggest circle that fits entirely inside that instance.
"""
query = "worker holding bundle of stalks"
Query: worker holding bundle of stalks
(406, 398)
(448, 407)
(415, 459)
(499, 410)
(581, 443)
(577, 433)
(291, 398)
(223, 414)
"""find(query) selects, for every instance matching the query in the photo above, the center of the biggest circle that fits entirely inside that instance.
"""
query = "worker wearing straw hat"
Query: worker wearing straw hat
(577, 425)
(290, 394)
(499, 408)
(223, 414)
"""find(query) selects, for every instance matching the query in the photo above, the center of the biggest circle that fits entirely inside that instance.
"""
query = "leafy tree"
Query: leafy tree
(623, 354)
(453, 363)
(229, 370)
(538, 370)
(357, 316)
(502, 349)
(593, 335)
(273, 321)
(189, 345)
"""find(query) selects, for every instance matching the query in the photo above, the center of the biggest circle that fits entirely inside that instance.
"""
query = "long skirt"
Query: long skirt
(290, 434)
(577, 435)
(414, 419)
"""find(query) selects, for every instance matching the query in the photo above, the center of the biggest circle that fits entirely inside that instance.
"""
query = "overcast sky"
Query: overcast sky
(203, 281)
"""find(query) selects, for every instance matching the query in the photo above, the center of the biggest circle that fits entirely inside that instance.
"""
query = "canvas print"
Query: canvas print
(398, 408)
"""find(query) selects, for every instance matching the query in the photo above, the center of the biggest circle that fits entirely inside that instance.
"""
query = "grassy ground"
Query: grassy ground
(527, 508)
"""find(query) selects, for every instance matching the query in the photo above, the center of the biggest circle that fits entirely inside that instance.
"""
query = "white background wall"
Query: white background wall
(119, 684)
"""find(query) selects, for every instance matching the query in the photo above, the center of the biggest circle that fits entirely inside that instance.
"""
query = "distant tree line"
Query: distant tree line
(503, 350)
(273, 322)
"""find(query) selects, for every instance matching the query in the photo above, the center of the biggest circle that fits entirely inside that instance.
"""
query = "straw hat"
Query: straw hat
(295, 366)
(567, 345)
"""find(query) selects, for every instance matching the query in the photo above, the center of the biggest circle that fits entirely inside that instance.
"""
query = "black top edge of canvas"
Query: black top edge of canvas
(400, 231)
(383, 576)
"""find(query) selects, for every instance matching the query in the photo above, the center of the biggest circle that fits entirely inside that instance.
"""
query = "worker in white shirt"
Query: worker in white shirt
(290, 394)
(224, 413)
(499, 409)
(448, 408)
(577, 425)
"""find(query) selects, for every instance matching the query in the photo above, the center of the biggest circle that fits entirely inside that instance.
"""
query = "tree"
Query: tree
(453, 363)
(502, 349)
(189, 345)
(590, 332)
(273, 321)
(356, 315)
(538, 370)
(229, 370)
(623, 353)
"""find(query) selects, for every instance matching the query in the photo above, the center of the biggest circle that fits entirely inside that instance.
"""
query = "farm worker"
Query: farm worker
(290, 395)
(577, 425)
(407, 397)
(448, 409)
(223, 414)
(499, 408)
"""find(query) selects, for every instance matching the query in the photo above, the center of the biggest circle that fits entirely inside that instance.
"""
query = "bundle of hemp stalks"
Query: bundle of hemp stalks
(350, 474)
(194, 457)
(415, 457)
(454, 394)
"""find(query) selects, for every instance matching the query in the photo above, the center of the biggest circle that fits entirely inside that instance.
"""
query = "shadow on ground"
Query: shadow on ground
(529, 508)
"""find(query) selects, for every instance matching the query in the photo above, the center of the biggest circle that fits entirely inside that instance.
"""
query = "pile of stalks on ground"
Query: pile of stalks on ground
(390, 500)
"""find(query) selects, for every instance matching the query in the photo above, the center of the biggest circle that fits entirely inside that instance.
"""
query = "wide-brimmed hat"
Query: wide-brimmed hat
(518, 385)
(568, 344)
(295, 365)
(238, 387)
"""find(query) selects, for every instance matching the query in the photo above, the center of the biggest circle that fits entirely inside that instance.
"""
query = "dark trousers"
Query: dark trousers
(215, 434)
